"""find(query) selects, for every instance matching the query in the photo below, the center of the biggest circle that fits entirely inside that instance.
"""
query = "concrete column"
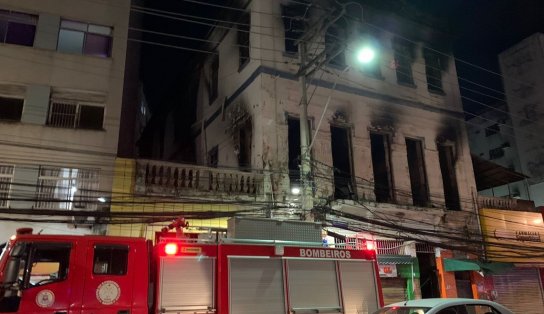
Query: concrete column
(47, 32)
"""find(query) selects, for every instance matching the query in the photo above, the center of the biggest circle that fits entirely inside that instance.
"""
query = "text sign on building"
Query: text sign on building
(513, 236)
(388, 270)
(519, 235)
(322, 253)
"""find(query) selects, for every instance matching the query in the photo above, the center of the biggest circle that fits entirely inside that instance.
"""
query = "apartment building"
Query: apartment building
(61, 86)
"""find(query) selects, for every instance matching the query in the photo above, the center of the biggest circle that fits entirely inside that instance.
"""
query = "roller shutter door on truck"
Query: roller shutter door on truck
(520, 290)
(313, 286)
(256, 286)
(359, 289)
(187, 283)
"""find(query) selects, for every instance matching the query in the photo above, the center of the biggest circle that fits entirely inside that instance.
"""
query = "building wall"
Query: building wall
(482, 143)
(269, 90)
(41, 72)
(521, 67)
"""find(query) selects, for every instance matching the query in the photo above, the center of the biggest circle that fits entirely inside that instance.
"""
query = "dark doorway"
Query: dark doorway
(449, 178)
(428, 275)
(341, 161)
(464, 285)
(418, 176)
(381, 164)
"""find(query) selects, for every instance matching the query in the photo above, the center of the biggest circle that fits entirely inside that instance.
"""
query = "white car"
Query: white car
(444, 306)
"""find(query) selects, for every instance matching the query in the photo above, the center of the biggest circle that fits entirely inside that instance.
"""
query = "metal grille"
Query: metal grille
(6, 177)
(390, 247)
(67, 188)
(62, 115)
(66, 114)
(424, 248)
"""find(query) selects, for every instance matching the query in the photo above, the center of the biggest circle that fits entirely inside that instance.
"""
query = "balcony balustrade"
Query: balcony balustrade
(167, 178)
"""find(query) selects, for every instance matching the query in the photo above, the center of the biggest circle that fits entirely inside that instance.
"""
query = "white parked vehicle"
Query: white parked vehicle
(444, 306)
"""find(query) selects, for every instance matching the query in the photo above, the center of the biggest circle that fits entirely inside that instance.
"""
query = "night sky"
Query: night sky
(480, 29)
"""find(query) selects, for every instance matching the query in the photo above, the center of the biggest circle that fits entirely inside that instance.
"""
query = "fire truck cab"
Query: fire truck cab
(117, 275)
(74, 274)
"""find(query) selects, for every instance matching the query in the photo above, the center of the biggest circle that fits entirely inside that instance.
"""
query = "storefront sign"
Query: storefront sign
(513, 236)
(519, 235)
(388, 270)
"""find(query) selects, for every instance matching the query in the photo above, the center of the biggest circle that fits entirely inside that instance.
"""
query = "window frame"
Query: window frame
(404, 59)
(29, 262)
(243, 39)
(111, 247)
(18, 98)
(85, 33)
(77, 114)
(10, 19)
(433, 72)
(87, 194)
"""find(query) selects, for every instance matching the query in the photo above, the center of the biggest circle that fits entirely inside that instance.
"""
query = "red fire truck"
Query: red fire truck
(59, 274)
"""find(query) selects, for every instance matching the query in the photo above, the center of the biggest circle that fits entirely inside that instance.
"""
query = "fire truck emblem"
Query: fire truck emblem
(45, 298)
(108, 292)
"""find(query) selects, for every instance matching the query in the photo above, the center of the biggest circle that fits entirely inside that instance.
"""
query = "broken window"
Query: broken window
(293, 138)
(243, 38)
(404, 57)
(449, 178)
(381, 164)
(293, 23)
(244, 153)
(418, 176)
(213, 156)
(342, 161)
(433, 71)
(213, 85)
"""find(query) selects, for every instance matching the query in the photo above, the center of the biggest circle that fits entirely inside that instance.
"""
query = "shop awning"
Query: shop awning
(396, 259)
(451, 264)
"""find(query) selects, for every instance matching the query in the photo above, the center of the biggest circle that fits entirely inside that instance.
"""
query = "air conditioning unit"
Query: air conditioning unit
(82, 221)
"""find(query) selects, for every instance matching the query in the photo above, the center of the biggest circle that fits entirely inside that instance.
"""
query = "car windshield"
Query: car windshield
(403, 310)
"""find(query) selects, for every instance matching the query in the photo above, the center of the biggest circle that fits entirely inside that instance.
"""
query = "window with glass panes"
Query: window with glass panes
(17, 28)
(83, 38)
(67, 188)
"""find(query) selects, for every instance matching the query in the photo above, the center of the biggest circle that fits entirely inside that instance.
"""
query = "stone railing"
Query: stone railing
(167, 178)
(504, 203)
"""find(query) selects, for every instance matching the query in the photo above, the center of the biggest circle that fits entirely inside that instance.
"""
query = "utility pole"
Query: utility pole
(305, 167)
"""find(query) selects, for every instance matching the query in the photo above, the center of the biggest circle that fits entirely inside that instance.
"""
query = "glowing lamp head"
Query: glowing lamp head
(295, 191)
(366, 55)
(171, 249)
(370, 245)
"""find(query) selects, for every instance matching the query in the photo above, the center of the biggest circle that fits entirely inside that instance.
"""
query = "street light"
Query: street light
(366, 55)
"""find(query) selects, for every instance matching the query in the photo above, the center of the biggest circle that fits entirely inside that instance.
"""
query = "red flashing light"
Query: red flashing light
(370, 245)
(171, 249)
